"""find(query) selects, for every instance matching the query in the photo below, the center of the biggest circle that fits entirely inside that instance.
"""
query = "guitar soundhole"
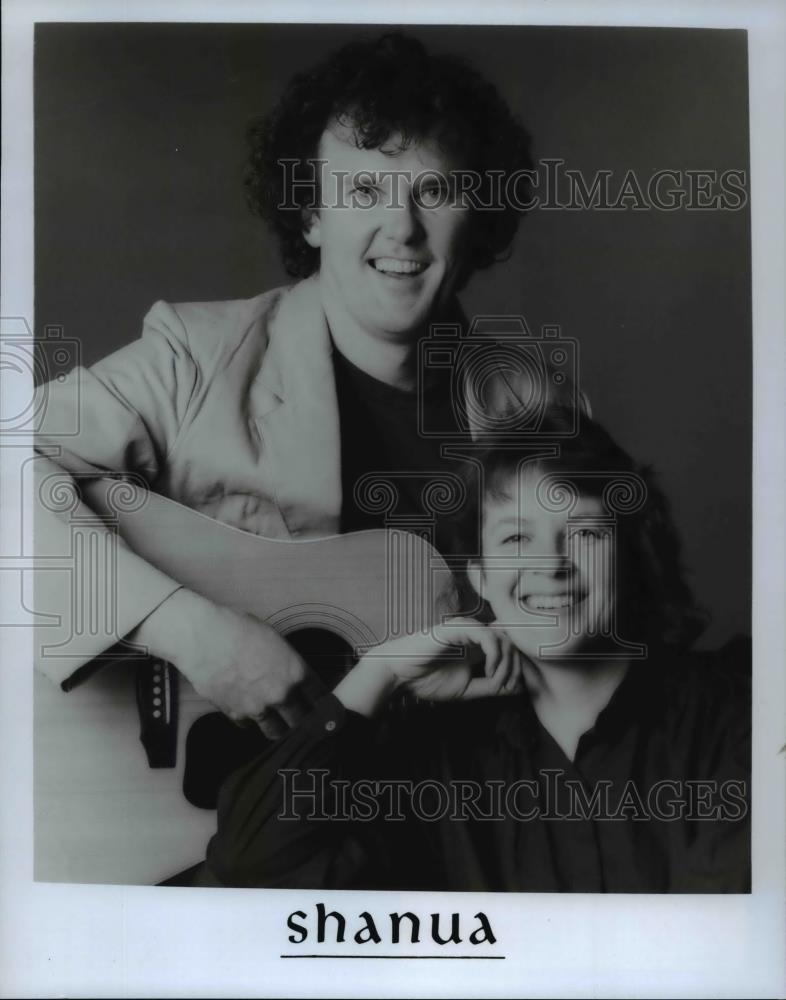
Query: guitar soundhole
(328, 655)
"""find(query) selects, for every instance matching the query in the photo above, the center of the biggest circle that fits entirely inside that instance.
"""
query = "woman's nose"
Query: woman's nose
(554, 558)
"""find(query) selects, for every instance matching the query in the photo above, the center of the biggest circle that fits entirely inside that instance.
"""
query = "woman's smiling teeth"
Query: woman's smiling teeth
(392, 265)
(549, 602)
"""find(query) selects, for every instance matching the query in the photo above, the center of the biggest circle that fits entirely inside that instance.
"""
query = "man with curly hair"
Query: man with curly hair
(265, 413)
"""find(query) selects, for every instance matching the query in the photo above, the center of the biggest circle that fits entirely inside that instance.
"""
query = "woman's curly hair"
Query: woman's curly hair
(655, 604)
(380, 88)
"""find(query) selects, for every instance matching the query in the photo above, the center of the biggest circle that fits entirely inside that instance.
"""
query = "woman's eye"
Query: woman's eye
(588, 533)
(515, 539)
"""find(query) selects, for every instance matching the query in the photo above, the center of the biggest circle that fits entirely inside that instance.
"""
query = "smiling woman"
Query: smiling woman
(590, 525)
(576, 695)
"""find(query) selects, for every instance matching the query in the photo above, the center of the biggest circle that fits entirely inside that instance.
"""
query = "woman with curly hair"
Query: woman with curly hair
(580, 745)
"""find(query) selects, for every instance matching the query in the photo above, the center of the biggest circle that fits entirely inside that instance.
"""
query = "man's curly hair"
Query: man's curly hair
(380, 88)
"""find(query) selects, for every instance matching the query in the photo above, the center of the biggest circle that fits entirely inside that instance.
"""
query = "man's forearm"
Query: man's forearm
(168, 631)
(91, 590)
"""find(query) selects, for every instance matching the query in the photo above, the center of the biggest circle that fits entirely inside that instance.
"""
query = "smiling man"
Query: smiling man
(392, 244)
(267, 413)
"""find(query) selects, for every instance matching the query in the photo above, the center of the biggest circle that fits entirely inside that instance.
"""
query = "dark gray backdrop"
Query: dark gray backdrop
(139, 156)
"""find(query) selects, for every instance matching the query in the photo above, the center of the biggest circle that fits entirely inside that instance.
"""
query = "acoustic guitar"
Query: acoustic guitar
(102, 813)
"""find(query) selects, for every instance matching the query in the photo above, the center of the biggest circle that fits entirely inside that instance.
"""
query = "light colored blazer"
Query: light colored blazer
(227, 407)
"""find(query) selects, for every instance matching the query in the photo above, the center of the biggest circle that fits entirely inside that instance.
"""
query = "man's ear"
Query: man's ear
(312, 233)
(475, 577)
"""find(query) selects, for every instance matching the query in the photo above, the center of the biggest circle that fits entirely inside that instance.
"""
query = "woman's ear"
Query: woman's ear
(312, 233)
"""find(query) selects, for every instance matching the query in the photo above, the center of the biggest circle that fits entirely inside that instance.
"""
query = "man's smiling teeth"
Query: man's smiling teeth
(548, 602)
(392, 264)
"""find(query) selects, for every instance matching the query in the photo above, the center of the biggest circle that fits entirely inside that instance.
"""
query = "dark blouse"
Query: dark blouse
(656, 799)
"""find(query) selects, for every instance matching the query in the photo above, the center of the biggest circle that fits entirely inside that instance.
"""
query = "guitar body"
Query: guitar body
(102, 814)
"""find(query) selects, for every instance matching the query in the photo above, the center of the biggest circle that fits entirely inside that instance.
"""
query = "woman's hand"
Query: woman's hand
(439, 666)
(443, 666)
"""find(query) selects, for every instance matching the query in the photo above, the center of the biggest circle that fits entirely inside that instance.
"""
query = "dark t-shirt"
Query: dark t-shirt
(386, 438)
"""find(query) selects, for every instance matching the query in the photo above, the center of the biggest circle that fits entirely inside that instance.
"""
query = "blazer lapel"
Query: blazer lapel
(296, 413)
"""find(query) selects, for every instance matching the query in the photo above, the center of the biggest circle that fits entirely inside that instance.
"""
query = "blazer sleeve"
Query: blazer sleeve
(123, 415)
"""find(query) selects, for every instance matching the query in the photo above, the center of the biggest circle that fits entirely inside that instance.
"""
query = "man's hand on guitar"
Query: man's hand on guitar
(434, 668)
(237, 662)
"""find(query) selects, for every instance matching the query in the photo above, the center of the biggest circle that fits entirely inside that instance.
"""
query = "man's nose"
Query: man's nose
(403, 223)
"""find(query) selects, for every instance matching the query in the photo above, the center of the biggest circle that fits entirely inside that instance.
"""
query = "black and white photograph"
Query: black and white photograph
(387, 478)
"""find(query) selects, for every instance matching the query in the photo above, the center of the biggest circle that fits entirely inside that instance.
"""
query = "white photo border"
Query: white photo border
(84, 940)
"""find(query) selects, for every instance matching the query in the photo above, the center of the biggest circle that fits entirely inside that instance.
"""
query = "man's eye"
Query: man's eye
(432, 195)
